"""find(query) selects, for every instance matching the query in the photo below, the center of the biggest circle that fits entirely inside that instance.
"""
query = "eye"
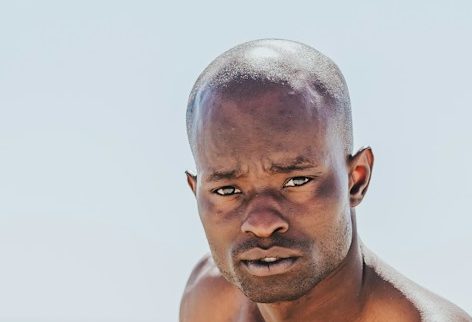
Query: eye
(227, 191)
(297, 181)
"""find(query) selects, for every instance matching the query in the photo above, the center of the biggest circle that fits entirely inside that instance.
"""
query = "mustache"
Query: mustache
(275, 240)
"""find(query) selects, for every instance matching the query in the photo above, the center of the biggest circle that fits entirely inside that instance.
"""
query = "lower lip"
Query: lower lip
(268, 269)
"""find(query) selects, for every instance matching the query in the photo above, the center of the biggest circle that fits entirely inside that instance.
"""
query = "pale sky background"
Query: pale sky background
(96, 221)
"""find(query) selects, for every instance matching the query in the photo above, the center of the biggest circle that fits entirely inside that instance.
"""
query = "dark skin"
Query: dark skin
(273, 171)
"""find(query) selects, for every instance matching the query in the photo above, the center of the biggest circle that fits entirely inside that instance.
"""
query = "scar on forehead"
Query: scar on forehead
(282, 166)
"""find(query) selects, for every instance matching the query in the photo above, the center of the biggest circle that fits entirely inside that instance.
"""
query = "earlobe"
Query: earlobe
(192, 182)
(360, 173)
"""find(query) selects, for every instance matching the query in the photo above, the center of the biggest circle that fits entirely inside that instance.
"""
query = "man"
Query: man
(269, 124)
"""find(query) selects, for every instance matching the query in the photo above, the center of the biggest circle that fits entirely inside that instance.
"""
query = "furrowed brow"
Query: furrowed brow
(277, 168)
(223, 175)
(290, 166)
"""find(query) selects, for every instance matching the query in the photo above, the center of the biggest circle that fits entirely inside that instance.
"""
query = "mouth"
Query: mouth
(267, 266)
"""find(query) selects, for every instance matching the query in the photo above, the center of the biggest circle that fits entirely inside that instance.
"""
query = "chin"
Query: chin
(271, 297)
(276, 289)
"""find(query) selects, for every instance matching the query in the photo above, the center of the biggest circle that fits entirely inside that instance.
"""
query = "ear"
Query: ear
(192, 181)
(360, 170)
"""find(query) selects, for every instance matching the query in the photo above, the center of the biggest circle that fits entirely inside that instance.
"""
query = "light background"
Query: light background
(96, 220)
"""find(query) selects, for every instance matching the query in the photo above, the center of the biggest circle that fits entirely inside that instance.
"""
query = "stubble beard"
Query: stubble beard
(285, 287)
(291, 285)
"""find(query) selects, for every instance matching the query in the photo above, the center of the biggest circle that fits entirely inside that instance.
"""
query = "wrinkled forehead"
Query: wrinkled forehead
(245, 122)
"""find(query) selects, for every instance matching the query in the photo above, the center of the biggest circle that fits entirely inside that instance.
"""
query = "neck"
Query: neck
(338, 297)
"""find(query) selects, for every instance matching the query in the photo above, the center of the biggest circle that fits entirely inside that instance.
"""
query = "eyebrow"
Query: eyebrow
(297, 164)
(287, 168)
(223, 175)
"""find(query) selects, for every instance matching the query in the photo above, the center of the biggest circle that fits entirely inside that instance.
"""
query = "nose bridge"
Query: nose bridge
(264, 216)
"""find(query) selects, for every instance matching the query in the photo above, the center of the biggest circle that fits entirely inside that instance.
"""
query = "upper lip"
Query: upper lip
(276, 251)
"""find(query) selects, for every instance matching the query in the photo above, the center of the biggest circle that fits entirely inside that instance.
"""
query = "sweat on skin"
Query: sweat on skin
(277, 183)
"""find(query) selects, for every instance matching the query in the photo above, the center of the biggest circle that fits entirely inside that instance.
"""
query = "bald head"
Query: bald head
(251, 68)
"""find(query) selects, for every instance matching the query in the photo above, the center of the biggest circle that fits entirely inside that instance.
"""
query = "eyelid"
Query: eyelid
(298, 177)
(235, 192)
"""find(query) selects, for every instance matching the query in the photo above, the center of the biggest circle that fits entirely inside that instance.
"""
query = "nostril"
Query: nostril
(264, 223)
(281, 229)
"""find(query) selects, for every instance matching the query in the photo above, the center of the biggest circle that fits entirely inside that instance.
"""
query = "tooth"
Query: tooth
(269, 259)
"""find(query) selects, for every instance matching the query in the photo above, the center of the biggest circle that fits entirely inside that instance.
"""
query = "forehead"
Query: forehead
(272, 123)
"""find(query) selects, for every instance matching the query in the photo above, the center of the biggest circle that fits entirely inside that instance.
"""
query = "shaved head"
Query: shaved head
(269, 123)
(251, 68)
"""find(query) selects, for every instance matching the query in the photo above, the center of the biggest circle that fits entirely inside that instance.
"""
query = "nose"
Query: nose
(264, 219)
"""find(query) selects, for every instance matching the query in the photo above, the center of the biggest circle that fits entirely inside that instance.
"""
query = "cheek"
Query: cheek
(216, 211)
(221, 225)
(324, 207)
(335, 228)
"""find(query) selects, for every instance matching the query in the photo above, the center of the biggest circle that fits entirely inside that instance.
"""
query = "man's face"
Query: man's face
(272, 191)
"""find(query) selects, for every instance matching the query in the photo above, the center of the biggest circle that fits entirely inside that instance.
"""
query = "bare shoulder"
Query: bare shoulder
(208, 294)
(416, 302)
